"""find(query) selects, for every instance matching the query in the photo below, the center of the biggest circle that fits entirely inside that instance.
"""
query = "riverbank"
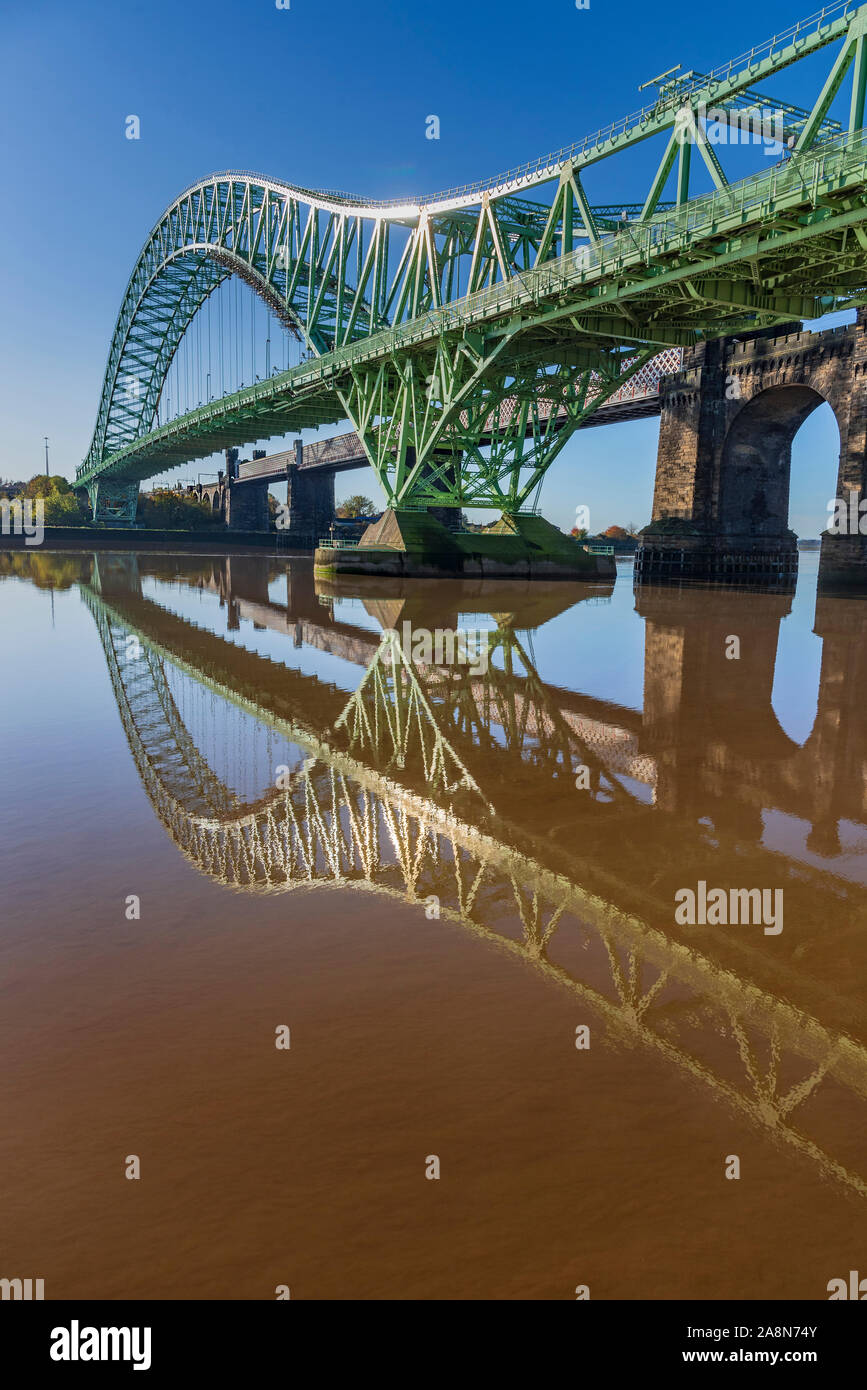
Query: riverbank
(211, 542)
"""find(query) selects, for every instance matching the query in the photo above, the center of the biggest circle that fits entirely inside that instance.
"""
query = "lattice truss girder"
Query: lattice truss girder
(523, 277)
(463, 426)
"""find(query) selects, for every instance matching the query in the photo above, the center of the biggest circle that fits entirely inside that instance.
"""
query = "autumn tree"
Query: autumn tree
(356, 507)
(55, 486)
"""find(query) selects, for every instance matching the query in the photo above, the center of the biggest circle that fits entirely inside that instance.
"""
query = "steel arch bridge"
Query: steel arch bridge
(467, 335)
(352, 816)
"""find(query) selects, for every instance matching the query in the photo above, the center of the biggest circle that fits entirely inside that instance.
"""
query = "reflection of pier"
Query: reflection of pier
(752, 761)
(417, 786)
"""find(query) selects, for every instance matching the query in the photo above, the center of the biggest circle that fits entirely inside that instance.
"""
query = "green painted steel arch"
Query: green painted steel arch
(291, 246)
(501, 319)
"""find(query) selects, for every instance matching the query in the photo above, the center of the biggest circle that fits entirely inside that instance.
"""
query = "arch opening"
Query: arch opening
(814, 467)
(814, 472)
(756, 462)
(209, 303)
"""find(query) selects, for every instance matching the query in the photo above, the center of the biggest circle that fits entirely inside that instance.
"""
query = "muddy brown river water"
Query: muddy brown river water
(368, 952)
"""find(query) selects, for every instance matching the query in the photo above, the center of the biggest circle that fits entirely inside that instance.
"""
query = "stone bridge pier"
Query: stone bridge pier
(240, 503)
(311, 503)
(728, 419)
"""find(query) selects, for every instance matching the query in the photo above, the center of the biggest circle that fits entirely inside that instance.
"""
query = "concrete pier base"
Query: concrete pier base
(843, 564)
(416, 545)
(676, 552)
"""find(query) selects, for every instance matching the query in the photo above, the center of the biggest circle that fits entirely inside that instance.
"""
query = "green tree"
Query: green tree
(174, 511)
(357, 506)
(63, 506)
(65, 509)
(55, 486)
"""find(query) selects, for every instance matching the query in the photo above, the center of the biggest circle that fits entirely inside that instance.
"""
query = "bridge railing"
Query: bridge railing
(339, 449)
(548, 165)
(736, 204)
(339, 543)
(636, 243)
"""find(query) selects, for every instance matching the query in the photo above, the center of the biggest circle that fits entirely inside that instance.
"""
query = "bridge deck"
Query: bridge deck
(343, 452)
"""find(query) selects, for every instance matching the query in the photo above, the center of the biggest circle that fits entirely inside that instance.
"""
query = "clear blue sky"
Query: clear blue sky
(333, 94)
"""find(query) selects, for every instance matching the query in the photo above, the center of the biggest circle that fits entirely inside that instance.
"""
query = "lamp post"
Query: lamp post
(45, 437)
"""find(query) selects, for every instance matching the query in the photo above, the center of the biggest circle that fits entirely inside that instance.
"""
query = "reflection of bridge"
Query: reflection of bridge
(667, 745)
(419, 785)
(610, 731)
(466, 336)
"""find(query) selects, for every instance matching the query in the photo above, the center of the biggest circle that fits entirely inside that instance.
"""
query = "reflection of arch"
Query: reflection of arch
(806, 681)
(756, 458)
(341, 821)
